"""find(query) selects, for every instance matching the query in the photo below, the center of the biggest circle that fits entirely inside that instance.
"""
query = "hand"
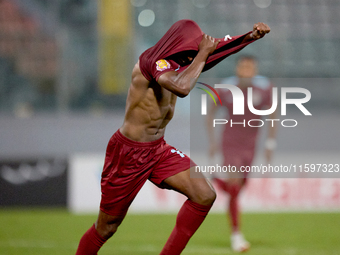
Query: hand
(208, 44)
(259, 30)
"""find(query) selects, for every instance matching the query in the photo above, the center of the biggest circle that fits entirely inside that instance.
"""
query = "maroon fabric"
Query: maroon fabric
(189, 218)
(90, 243)
(129, 164)
(241, 139)
(182, 36)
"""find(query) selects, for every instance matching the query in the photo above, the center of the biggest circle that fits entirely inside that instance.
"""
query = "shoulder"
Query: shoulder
(261, 82)
(232, 80)
(137, 76)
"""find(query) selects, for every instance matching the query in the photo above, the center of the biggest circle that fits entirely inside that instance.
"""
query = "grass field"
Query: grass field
(56, 231)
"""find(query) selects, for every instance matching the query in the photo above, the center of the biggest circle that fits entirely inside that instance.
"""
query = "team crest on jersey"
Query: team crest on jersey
(162, 65)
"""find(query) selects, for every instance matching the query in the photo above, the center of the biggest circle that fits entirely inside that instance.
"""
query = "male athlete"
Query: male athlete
(137, 151)
(239, 141)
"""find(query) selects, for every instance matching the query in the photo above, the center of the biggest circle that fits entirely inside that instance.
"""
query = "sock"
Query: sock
(233, 207)
(188, 220)
(90, 243)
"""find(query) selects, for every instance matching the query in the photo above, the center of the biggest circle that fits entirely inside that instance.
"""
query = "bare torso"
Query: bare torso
(149, 108)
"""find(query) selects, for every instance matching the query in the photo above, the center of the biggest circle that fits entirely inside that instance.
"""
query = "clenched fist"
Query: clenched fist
(259, 30)
(208, 43)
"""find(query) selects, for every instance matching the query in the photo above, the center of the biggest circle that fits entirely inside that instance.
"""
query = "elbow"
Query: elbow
(183, 93)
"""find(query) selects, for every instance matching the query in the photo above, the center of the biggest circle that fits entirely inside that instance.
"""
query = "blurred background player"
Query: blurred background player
(239, 141)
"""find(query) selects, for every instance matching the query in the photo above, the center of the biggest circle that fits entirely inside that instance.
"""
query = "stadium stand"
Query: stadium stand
(49, 49)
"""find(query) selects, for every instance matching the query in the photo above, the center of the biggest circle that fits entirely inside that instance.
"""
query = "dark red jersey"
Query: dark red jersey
(184, 35)
(242, 136)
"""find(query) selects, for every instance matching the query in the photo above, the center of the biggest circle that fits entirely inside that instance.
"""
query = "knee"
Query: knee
(206, 197)
(107, 230)
(107, 227)
(211, 197)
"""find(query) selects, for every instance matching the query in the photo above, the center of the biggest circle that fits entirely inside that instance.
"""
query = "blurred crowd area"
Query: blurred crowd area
(65, 56)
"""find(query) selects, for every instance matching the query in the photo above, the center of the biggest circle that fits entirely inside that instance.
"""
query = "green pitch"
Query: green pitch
(56, 231)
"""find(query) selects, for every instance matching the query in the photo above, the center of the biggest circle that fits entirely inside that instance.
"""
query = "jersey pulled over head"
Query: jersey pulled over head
(182, 41)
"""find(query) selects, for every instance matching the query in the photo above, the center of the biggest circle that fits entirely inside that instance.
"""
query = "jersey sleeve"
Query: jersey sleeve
(227, 46)
(162, 66)
(265, 85)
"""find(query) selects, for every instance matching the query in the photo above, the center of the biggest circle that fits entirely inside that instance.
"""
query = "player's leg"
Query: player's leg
(233, 186)
(197, 189)
(117, 197)
(200, 196)
(122, 178)
(238, 242)
(105, 226)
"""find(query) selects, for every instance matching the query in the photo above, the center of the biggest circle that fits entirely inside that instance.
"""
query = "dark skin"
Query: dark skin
(150, 107)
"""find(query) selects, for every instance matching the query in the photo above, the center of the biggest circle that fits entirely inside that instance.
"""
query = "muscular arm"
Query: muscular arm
(182, 83)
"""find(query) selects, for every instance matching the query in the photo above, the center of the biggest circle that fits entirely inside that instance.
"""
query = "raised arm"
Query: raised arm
(259, 30)
(182, 83)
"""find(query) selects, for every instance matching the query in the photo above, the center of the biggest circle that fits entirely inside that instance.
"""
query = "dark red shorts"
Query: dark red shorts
(128, 164)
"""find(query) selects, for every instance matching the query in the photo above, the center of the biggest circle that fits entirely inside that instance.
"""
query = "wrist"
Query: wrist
(203, 52)
(248, 37)
(202, 55)
(270, 144)
(254, 36)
